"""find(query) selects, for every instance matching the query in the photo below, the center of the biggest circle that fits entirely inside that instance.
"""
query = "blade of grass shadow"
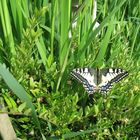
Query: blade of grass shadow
(74, 134)
(56, 35)
(20, 92)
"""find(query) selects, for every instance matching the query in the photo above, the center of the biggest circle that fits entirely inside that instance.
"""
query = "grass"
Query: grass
(37, 55)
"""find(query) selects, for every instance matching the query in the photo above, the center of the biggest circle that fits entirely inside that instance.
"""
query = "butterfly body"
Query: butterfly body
(98, 80)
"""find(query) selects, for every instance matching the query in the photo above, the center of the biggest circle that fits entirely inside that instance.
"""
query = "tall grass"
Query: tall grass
(36, 48)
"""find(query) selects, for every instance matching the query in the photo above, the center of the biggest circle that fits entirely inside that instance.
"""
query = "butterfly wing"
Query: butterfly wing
(87, 77)
(110, 76)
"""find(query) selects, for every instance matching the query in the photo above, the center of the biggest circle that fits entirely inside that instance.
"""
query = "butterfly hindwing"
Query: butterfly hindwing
(98, 80)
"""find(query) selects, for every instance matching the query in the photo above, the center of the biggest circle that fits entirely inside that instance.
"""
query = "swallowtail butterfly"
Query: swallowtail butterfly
(100, 80)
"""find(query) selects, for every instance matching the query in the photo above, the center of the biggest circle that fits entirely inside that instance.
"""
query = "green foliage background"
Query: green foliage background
(36, 53)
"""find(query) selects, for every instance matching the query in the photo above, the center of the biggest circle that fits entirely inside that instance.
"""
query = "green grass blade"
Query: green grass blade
(42, 52)
(6, 25)
(63, 68)
(65, 20)
(17, 17)
(53, 26)
(105, 42)
(19, 91)
(136, 31)
(92, 34)
(64, 41)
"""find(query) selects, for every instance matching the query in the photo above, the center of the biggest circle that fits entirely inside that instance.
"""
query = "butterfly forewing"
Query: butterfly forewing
(102, 80)
(85, 76)
(110, 76)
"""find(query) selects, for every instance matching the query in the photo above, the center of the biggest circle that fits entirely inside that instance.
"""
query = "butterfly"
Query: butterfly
(98, 80)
